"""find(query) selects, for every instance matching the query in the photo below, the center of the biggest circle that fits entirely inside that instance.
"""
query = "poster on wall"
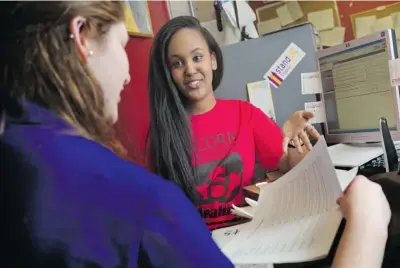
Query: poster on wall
(260, 96)
(137, 18)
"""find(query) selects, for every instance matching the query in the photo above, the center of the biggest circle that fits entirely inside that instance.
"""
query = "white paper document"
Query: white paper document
(317, 107)
(365, 25)
(346, 176)
(296, 217)
(260, 96)
(394, 70)
(224, 235)
(311, 83)
(322, 20)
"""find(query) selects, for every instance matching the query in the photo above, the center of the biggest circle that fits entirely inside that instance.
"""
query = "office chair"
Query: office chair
(389, 150)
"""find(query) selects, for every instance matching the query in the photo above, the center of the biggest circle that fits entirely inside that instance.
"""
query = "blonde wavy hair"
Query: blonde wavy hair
(40, 63)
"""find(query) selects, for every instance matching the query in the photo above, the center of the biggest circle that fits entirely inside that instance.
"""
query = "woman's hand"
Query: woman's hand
(297, 129)
(364, 201)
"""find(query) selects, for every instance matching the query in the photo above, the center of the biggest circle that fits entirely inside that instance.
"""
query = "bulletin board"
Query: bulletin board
(379, 12)
(268, 12)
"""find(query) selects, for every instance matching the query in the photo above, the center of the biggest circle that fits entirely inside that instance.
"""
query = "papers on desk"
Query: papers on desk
(296, 217)
(344, 177)
(353, 155)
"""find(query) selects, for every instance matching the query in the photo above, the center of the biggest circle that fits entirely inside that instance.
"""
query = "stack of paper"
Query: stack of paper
(344, 177)
(296, 217)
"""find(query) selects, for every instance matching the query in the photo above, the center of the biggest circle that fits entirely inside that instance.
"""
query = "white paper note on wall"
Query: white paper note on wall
(396, 24)
(383, 24)
(295, 10)
(394, 69)
(318, 109)
(364, 25)
(332, 37)
(284, 15)
(311, 83)
(260, 96)
(268, 26)
(322, 20)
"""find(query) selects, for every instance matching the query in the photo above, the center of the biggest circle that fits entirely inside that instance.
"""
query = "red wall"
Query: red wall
(345, 9)
(133, 109)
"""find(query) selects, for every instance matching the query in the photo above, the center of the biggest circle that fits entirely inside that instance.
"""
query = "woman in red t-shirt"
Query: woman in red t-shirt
(209, 147)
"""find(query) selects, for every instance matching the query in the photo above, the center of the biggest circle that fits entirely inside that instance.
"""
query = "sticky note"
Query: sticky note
(394, 70)
(318, 109)
(311, 83)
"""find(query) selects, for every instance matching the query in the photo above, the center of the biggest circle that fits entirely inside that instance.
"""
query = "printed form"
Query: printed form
(296, 218)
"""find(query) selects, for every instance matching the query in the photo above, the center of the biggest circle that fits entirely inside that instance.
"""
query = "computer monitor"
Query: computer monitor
(356, 88)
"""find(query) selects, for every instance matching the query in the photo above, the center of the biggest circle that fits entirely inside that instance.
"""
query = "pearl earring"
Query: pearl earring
(71, 36)
(90, 52)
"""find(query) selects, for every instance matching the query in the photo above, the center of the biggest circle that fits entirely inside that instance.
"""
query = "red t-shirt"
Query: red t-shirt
(227, 141)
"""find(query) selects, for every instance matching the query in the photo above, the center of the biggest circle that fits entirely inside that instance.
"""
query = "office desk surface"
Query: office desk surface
(390, 183)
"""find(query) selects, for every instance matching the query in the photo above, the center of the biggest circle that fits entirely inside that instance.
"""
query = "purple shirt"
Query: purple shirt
(87, 205)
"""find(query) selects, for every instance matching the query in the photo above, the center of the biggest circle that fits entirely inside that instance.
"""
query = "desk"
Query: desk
(390, 183)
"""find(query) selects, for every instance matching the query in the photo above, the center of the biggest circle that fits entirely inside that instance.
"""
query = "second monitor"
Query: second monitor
(356, 88)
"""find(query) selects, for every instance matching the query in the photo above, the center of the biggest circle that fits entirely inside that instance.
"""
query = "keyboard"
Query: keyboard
(372, 167)
(375, 166)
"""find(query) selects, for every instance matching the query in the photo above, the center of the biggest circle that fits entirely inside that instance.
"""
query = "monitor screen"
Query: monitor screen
(356, 88)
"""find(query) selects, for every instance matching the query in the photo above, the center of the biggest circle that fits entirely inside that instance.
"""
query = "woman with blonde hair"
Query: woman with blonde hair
(69, 199)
